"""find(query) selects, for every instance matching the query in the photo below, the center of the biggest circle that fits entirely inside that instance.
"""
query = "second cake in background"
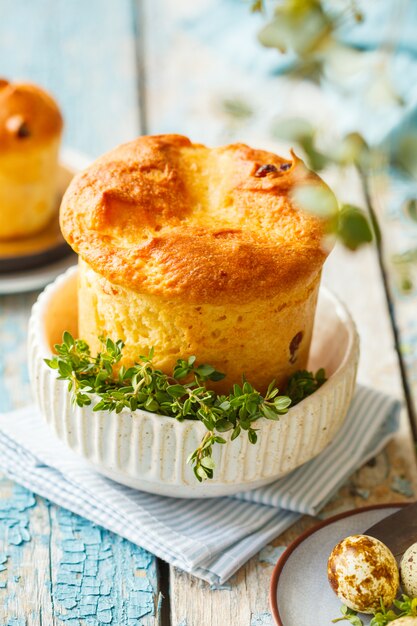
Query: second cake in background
(30, 133)
(191, 250)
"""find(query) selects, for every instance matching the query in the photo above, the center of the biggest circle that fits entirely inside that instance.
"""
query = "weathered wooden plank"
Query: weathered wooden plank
(24, 520)
(198, 57)
(24, 541)
(53, 564)
(84, 53)
(106, 580)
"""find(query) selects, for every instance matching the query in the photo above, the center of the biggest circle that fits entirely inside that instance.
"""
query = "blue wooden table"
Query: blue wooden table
(120, 68)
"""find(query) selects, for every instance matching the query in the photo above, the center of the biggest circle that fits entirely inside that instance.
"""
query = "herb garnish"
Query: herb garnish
(183, 395)
(406, 605)
(349, 615)
(303, 384)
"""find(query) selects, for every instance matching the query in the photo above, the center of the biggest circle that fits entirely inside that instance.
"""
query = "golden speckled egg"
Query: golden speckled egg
(361, 570)
(406, 621)
(408, 571)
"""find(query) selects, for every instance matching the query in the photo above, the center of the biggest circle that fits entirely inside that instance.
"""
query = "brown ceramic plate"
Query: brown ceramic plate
(44, 247)
(299, 593)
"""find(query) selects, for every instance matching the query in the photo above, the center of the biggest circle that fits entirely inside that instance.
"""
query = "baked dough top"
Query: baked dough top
(28, 116)
(161, 215)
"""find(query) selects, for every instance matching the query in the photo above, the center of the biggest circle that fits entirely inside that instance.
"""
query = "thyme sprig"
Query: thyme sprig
(404, 607)
(182, 395)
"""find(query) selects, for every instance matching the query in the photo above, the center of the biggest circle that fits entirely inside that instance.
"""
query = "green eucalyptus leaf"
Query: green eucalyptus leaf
(299, 27)
(237, 109)
(410, 209)
(352, 150)
(316, 199)
(257, 6)
(404, 153)
(294, 129)
(354, 229)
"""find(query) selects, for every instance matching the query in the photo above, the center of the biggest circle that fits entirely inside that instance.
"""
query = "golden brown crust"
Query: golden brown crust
(161, 215)
(28, 116)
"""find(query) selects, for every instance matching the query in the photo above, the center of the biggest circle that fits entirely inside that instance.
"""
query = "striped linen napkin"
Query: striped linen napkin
(210, 538)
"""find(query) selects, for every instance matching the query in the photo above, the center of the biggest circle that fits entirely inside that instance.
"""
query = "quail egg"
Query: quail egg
(408, 571)
(362, 571)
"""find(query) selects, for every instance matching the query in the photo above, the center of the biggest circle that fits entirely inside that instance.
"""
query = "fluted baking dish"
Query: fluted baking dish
(149, 452)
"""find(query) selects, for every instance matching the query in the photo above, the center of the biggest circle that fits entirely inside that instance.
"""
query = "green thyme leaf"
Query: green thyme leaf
(303, 384)
(407, 605)
(353, 227)
(385, 615)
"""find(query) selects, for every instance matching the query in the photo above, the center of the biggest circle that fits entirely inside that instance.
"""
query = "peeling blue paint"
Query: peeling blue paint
(14, 530)
(101, 578)
(271, 554)
(15, 516)
(3, 560)
(261, 619)
(183, 622)
(402, 485)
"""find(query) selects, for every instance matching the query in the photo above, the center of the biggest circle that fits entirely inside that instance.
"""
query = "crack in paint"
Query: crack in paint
(15, 516)
(15, 511)
(101, 578)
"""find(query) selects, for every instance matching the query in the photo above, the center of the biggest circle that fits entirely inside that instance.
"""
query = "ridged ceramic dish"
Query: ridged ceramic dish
(149, 452)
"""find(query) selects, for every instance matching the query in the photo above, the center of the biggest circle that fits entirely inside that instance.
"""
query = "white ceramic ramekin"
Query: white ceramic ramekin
(149, 452)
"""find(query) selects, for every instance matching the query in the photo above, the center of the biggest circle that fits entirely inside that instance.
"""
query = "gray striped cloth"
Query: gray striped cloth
(210, 538)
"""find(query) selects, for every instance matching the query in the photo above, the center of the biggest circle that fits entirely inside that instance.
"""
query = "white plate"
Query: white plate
(71, 162)
(300, 594)
(31, 280)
